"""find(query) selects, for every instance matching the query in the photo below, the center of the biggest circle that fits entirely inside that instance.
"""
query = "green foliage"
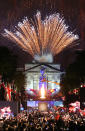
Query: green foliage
(75, 74)
(19, 80)
(7, 64)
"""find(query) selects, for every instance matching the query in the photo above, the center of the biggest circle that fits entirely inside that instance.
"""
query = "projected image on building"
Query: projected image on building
(42, 78)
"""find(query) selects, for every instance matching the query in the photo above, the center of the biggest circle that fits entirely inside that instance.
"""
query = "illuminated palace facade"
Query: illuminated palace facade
(46, 75)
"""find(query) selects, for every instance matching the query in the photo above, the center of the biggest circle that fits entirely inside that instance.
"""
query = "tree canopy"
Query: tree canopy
(75, 74)
(8, 66)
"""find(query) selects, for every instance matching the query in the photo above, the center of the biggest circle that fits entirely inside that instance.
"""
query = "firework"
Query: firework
(43, 39)
(42, 92)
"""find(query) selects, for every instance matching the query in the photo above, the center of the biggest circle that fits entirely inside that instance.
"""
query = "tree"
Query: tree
(8, 64)
(19, 80)
(75, 74)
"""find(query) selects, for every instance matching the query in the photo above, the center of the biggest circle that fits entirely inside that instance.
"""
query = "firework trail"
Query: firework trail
(43, 39)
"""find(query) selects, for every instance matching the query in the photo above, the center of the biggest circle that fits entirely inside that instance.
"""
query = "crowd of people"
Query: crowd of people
(60, 120)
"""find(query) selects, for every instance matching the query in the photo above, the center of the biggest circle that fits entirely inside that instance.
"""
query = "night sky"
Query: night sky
(13, 11)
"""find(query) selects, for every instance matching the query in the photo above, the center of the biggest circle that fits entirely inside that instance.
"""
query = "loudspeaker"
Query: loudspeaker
(24, 104)
(82, 94)
(82, 105)
(82, 98)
